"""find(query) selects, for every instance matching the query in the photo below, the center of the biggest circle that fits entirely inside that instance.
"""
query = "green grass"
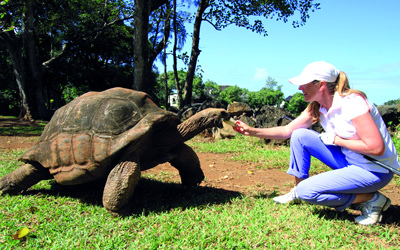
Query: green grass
(61, 222)
(168, 216)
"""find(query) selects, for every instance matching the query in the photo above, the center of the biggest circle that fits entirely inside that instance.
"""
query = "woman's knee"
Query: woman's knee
(298, 133)
(301, 133)
(306, 192)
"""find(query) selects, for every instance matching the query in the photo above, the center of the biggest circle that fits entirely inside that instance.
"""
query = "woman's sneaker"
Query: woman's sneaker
(288, 198)
(371, 211)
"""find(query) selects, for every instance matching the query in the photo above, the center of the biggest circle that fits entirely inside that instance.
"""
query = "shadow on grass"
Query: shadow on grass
(150, 196)
(18, 127)
(389, 217)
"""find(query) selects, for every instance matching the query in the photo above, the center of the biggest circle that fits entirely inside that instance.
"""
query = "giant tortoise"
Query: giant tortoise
(114, 134)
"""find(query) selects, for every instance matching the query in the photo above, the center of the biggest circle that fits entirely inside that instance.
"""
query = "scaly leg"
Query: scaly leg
(188, 164)
(120, 185)
(23, 178)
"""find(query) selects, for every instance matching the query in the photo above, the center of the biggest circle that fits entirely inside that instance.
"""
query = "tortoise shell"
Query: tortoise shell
(85, 138)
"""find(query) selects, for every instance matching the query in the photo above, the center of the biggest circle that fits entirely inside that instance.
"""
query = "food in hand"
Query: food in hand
(230, 122)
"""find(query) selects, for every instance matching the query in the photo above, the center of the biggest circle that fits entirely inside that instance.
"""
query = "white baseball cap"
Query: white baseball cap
(321, 71)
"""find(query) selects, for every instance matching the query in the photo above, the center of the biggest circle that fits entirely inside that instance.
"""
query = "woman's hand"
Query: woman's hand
(242, 128)
(328, 138)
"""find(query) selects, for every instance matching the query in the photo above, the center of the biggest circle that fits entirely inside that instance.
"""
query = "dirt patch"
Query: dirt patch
(9, 143)
(219, 170)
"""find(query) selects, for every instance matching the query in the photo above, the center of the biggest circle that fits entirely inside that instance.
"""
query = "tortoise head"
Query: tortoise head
(207, 118)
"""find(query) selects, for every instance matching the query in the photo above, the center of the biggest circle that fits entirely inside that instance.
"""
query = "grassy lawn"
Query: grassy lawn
(168, 216)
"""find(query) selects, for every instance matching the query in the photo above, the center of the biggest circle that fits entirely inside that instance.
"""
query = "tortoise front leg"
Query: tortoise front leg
(188, 164)
(120, 185)
(23, 178)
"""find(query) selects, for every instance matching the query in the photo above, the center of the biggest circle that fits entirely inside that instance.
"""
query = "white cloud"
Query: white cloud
(261, 74)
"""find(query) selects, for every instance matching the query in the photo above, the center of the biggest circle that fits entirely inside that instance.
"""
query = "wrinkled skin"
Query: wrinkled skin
(114, 134)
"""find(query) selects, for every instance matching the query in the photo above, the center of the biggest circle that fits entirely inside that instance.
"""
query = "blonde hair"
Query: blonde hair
(342, 86)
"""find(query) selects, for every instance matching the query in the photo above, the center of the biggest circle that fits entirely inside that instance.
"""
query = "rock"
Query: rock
(390, 115)
(239, 108)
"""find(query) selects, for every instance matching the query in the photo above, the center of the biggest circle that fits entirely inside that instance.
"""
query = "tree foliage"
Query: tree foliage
(233, 94)
(393, 102)
(265, 96)
(241, 13)
(246, 14)
(59, 49)
(297, 104)
(198, 86)
(211, 90)
(53, 44)
(270, 95)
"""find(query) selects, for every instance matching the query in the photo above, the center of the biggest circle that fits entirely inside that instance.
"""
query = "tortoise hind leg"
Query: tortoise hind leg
(23, 178)
(188, 164)
(119, 188)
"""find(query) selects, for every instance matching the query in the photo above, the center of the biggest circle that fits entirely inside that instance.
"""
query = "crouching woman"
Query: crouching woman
(353, 127)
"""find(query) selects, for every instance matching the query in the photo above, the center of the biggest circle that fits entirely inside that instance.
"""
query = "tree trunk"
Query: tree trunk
(19, 71)
(36, 100)
(166, 77)
(140, 44)
(27, 69)
(194, 53)
(174, 65)
(142, 66)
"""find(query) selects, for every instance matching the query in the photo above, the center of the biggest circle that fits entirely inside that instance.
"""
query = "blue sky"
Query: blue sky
(359, 37)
